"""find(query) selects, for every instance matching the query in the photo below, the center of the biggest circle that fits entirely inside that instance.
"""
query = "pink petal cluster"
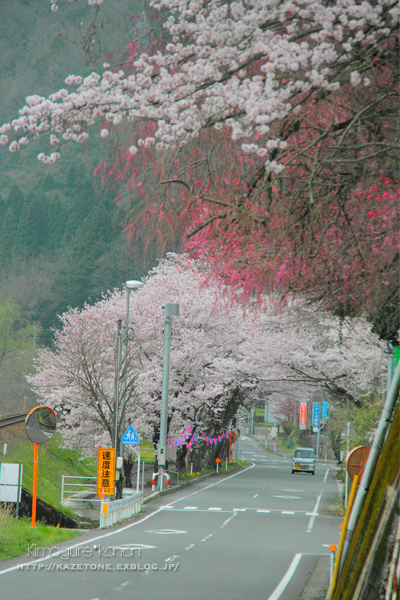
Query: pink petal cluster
(244, 64)
(222, 358)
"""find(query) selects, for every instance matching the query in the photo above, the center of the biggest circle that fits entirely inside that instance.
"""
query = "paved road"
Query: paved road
(256, 534)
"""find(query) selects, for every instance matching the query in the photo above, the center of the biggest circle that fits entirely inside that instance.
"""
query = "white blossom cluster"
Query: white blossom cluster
(243, 64)
(217, 349)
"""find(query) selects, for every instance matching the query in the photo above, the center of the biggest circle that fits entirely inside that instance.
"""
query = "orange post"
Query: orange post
(34, 486)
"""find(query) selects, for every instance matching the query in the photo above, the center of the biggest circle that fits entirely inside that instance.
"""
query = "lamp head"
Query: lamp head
(132, 284)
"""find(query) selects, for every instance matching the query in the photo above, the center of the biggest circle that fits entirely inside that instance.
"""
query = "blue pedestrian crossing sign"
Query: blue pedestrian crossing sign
(130, 437)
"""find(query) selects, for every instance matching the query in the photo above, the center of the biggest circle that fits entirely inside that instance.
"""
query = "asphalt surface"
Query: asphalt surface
(259, 533)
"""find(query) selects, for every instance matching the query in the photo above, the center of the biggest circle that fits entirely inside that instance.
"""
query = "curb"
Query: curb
(318, 585)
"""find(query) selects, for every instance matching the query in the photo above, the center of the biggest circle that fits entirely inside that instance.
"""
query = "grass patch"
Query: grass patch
(336, 509)
(53, 462)
(17, 535)
(284, 445)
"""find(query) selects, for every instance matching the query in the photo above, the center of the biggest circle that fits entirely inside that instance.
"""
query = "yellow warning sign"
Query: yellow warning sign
(106, 471)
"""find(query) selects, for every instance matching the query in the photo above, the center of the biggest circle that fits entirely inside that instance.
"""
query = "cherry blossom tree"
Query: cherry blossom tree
(244, 64)
(307, 95)
(222, 358)
(205, 389)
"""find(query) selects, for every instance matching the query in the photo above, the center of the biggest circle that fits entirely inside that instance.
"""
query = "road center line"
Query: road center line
(314, 514)
(227, 521)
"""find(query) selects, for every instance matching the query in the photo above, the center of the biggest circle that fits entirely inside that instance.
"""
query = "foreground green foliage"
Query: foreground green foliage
(375, 528)
(17, 535)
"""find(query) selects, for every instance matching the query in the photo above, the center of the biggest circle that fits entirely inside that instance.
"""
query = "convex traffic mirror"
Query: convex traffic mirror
(40, 424)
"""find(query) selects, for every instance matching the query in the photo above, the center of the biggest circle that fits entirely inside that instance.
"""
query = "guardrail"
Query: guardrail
(118, 510)
(78, 489)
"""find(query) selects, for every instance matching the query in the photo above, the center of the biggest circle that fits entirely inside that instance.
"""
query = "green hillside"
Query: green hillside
(53, 463)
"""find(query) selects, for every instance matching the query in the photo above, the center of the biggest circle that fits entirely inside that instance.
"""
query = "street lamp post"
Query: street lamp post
(130, 285)
(171, 310)
(116, 385)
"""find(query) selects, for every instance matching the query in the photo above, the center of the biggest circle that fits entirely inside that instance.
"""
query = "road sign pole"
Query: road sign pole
(34, 482)
(138, 468)
(19, 488)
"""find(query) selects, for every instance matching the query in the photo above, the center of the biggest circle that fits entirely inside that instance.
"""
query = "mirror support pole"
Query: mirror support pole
(34, 483)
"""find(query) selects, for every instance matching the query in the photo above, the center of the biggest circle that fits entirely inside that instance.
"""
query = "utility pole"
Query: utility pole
(171, 310)
(116, 386)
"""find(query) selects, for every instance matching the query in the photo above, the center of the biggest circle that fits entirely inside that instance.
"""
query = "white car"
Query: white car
(303, 460)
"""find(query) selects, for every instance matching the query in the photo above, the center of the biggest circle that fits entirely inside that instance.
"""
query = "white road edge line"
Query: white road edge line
(105, 535)
(85, 543)
(326, 475)
(277, 593)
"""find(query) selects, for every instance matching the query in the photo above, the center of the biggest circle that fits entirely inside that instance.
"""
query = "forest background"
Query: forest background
(61, 240)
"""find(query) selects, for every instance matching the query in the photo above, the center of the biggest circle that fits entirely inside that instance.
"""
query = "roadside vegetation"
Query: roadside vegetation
(53, 463)
(17, 535)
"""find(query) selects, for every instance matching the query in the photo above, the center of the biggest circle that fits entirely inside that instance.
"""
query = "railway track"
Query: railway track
(12, 419)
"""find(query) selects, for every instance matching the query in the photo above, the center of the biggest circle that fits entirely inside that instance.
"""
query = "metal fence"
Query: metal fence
(78, 489)
(118, 510)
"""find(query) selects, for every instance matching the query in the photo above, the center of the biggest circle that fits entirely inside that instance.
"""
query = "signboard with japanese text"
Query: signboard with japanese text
(324, 409)
(303, 415)
(106, 471)
(315, 416)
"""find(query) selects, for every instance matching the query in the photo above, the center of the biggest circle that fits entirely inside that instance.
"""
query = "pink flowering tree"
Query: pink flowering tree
(222, 358)
(283, 117)
(302, 98)
(206, 388)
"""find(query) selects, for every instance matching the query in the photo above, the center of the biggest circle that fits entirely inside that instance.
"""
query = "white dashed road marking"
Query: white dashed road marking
(166, 531)
(289, 497)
